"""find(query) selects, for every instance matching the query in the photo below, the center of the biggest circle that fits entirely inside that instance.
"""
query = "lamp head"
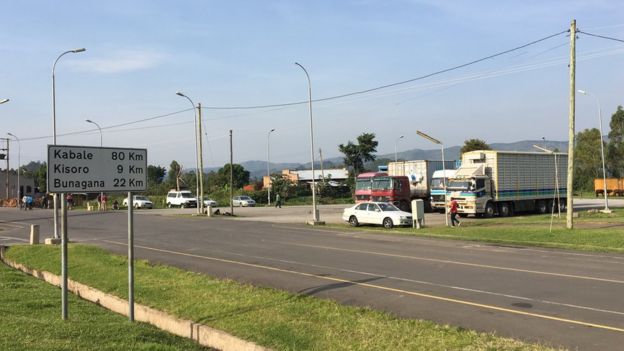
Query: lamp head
(88, 121)
(582, 92)
(180, 94)
(11, 134)
(75, 51)
(4, 100)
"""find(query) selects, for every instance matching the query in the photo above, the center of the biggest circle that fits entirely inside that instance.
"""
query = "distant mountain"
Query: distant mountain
(257, 169)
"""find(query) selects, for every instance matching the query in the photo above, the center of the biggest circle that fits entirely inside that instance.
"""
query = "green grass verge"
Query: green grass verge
(272, 318)
(593, 231)
(30, 319)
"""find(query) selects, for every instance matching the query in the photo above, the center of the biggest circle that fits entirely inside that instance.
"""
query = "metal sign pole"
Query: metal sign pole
(130, 257)
(64, 257)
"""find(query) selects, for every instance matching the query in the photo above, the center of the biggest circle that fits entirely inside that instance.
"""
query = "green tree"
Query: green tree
(174, 176)
(40, 176)
(355, 155)
(615, 147)
(155, 174)
(240, 176)
(473, 145)
(587, 162)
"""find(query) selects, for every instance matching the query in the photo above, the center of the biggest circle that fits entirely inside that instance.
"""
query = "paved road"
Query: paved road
(556, 297)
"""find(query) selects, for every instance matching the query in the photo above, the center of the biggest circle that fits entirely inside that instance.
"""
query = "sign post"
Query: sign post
(92, 170)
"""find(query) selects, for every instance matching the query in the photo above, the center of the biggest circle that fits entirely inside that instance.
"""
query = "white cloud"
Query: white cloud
(121, 61)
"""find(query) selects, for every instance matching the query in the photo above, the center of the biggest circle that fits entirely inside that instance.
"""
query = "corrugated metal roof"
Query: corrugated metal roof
(334, 174)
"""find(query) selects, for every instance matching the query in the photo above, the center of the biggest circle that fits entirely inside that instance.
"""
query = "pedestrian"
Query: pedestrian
(453, 210)
(278, 201)
(99, 201)
(70, 201)
(104, 199)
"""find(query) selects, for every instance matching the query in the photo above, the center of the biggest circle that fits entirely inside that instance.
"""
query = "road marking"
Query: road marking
(368, 285)
(13, 238)
(465, 264)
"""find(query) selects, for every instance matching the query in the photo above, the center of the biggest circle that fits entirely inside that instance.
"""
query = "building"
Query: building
(337, 176)
(27, 185)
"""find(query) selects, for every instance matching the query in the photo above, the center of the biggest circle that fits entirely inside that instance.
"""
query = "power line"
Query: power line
(391, 84)
(602, 36)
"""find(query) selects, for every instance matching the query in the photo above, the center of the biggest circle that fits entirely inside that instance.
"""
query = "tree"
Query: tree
(174, 176)
(239, 174)
(587, 161)
(473, 145)
(155, 174)
(357, 154)
(615, 147)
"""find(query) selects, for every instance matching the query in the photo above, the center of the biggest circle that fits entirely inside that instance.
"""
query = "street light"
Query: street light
(556, 176)
(268, 166)
(604, 171)
(436, 141)
(315, 214)
(19, 152)
(395, 147)
(199, 179)
(99, 128)
(3, 101)
(75, 51)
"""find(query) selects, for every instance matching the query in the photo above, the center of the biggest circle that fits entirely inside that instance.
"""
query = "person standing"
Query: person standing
(104, 199)
(70, 201)
(278, 200)
(453, 211)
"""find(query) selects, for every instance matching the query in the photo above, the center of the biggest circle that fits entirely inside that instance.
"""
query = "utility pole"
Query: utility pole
(322, 172)
(570, 190)
(8, 174)
(231, 176)
(201, 162)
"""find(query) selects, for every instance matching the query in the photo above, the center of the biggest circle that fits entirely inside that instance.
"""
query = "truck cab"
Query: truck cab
(439, 181)
(392, 189)
(472, 194)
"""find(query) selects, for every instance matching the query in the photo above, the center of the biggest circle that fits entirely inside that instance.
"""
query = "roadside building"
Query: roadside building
(27, 186)
(336, 176)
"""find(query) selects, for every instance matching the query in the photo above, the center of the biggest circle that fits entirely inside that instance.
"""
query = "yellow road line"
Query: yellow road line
(379, 287)
(464, 263)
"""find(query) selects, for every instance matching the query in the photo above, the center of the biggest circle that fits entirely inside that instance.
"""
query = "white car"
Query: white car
(380, 213)
(243, 201)
(139, 201)
(210, 202)
(182, 198)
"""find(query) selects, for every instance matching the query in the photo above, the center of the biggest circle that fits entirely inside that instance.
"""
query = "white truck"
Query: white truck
(490, 183)
(438, 180)
(419, 174)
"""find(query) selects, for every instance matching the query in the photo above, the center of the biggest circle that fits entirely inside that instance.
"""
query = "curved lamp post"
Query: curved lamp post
(436, 141)
(199, 186)
(268, 166)
(19, 152)
(3, 101)
(395, 147)
(315, 214)
(99, 128)
(604, 171)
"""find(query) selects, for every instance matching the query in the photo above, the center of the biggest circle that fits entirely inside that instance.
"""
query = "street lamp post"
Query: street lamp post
(436, 141)
(99, 128)
(556, 176)
(315, 214)
(4, 101)
(55, 203)
(268, 166)
(395, 147)
(19, 152)
(604, 171)
(199, 179)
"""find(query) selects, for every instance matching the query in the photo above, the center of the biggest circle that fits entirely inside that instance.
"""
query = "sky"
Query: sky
(242, 54)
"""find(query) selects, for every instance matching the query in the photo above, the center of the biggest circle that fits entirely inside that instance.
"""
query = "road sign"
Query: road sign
(96, 169)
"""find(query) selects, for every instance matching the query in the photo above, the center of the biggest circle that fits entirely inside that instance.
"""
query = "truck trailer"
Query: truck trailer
(490, 183)
(419, 174)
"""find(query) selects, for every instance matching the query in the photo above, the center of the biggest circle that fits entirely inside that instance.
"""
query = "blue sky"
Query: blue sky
(242, 53)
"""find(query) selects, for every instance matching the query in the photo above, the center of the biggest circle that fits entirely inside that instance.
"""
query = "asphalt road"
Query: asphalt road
(555, 297)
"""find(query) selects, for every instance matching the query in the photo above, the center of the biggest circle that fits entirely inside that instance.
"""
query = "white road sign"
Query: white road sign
(96, 169)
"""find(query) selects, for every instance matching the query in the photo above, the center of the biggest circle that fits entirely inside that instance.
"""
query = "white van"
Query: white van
(182, 198)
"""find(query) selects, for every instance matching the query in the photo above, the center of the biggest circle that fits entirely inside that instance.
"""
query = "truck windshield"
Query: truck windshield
(382, 183)
(363, 184)
(436, 183)
(459, 184)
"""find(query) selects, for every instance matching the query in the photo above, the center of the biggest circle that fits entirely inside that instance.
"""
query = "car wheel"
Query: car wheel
(353, 221)
(489, 210)
(136, 206)
(169, 204)
(387, 223)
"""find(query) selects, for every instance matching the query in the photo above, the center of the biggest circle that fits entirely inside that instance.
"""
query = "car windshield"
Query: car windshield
(245, 198)
(186, 195)
(141, 198)
(459, 184)
(388, 207)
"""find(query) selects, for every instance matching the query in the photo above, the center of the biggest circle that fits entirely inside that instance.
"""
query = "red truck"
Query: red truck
(364, 184)
(392, 189)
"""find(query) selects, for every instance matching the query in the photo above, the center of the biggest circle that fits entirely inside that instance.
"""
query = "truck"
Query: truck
(615, 186)
(364, 184)
(419, 175)
(490, 183)
(438, 182)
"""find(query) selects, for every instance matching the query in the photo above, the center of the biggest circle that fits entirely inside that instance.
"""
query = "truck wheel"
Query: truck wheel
(542, 207)
(489, 210)
(505, 209)
(353, 221)
(387, 223)
(428, 208)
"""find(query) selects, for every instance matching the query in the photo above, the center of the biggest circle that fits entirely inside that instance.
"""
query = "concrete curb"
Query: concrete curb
(202, 334)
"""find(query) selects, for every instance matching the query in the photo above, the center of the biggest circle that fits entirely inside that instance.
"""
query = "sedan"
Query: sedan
(243, 201)
(139, 201)
(210, 202)
(380, 213)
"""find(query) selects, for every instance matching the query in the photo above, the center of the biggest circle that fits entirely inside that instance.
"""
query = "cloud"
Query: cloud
(121, 61)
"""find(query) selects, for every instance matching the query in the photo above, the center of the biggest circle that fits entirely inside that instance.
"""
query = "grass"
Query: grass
(272, 318)
(593, 231)
(30, 316)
